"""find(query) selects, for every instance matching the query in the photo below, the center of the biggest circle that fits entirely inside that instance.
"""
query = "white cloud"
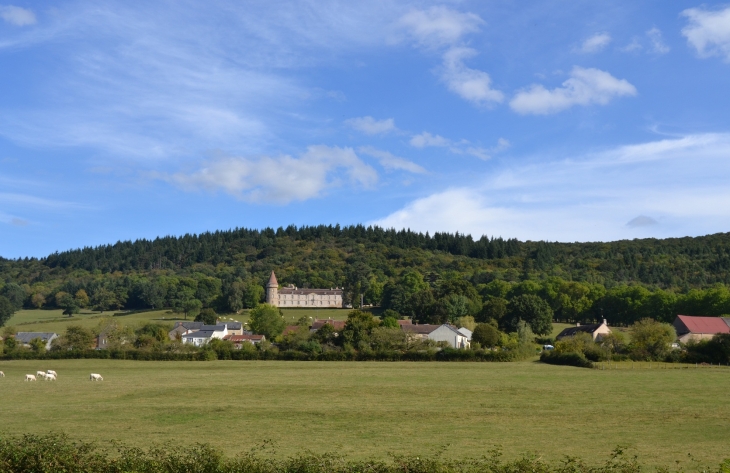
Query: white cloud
(17, 16)
(595, 43)
(426, 139)
(657, 42)
(585, 87)
(392, 162)
(439, 26)
(371, 126)
(708, 31)
(484, 153)
(670, 187)
(470, 84)
(281, 179)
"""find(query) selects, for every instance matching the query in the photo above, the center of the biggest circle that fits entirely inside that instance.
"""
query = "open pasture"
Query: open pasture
(54, 321)
(370, 409)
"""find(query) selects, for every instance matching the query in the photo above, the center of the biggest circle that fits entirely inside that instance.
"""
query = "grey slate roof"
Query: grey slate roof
(572, 331)
(26, 337)
(200, 334)
(424, 329)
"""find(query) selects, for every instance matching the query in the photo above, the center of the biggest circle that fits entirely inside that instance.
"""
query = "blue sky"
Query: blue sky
(557, 120)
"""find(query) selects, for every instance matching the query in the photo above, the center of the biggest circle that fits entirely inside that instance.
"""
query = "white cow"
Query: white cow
(30, 377)
(2, 375)
(50, 377)
(52, 372)
(40, 374)
(95, 377)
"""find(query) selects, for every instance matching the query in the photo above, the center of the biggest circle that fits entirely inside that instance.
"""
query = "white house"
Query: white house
(438, 333)
(451, 335)
(205, 335)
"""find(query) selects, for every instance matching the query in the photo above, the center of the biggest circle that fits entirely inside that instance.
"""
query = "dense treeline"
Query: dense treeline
(56, 452)
(433, 278)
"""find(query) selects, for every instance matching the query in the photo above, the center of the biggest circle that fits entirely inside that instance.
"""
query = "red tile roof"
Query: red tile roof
(243, 338)
(405, 322)
(272, 281)
(290, 329)
(704, 324)
(337, 324)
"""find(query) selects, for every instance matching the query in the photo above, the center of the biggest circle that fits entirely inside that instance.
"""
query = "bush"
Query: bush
(570, 359)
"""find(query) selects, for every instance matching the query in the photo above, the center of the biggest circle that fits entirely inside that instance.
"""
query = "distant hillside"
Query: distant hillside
(224, 269)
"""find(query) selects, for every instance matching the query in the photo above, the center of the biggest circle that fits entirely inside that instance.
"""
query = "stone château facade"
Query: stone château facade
(292, 296)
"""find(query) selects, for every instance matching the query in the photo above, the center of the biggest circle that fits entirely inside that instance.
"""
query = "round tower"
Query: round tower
(272, 291)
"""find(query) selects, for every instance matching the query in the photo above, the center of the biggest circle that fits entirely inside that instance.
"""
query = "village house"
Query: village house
(596, 331)
(691, 328)
(184, 328)
(206, 333)
(24, 338)
(438, 333)
(292, 296)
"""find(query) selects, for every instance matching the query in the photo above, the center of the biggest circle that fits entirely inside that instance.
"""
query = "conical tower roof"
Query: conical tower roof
(272, 281)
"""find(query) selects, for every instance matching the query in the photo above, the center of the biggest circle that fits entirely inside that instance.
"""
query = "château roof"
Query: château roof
(272, 281)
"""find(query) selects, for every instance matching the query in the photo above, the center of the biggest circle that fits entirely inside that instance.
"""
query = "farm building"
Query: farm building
(338, 325)
(184, 328)
(596, 331)
(205, 335)
(438, 333)
(238, 340)
(24, 338)
(691, 328)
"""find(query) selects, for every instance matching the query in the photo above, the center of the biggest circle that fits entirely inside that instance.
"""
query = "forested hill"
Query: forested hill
(312, 256)
(227, 269)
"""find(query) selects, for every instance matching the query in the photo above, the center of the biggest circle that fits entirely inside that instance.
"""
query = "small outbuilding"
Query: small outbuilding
(596, 331)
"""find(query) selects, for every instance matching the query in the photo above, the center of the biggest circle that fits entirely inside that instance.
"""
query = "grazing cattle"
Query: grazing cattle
(50, 377)
(2, 375)
(40, 374)
(95, 377)
(52, 372)
(29, 377)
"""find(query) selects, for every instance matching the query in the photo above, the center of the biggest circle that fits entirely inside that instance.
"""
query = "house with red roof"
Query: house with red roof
(691, 328)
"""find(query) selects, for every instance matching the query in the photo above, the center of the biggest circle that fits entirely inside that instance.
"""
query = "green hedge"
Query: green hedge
(447, 354)
(55, 453)
(570, 359)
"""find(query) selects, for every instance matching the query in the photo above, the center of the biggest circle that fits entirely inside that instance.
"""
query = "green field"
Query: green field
(370, 409)
(55, 321)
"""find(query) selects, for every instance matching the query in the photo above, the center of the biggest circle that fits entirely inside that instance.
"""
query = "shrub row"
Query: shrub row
(446, 354)
(57, 453)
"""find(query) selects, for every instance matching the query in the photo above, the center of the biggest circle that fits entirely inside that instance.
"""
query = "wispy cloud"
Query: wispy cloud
(392, 162)
(426, 139)
(439, 26)
(595, 43)
(472, 85)
(657, 41)
(708, 31)
(279, 179)
(27, 200)
(678, 182)
(371, 126)
(585, 87)
(442, 30)
(17, 16)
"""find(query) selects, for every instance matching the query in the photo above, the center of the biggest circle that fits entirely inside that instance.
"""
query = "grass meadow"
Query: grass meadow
(369, 409)
(54, 321)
